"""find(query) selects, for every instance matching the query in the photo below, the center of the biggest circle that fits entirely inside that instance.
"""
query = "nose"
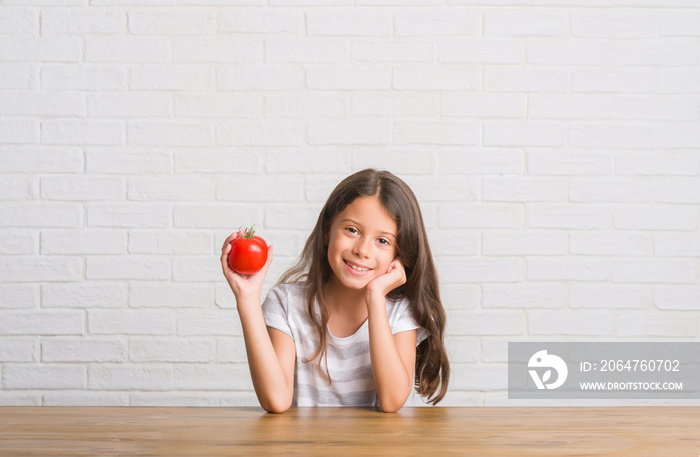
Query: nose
(361, 247)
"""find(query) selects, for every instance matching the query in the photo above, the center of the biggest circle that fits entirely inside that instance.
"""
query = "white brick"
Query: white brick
(482, 162)
(460, 296)
(158, 399)
(18, 350)
(130, 377)
(520, 188)
(349, 22)
(677, 135)
(479, 270)
(470, 323)
(454, 242)
(482, 51)
(572, 323)
(463, 349)
(218, 215)
(656, 270)
(40, 268)
(128, 267)
(83, 242)
(20, 398)
(567, 269)
(116, 104)
(217, 106)
(224, 323)
(231, 350)
(443, 132)
(81, 21)
(479, 377)
(176, 188)
(524, 296)
(19, 296)
(217, 161)
(82, 350)
(349, 132)
(682, 190)
(175, 133)
(666, 107)
(576, 162)
(570, 52)
(265, 20)
(446, 189)
(81, 188)
(389, 104)
(172, 78)
(607, 135)
(525, 79)
(306, 50)
(260, 133)
(36, 376)
(54, 49)
(612, 24)
(139, 322)
(42, 103)
(404, 50)
(82, 132)
(17, 187)
(44, 215)
(171, 350)
(176, 242)
(655, 324)
(623, 80)
(440, 22)
(129, 215)
(535, 22)
(610, 190)
(172, 22)
(93, 294)
(679, 23)
(485, 105)
(656, 52)
(541, 106)
(127, 50)
(525, 243)
(85, 398)
(213, 49)
(291, 216)
(401, 160)
(610, 296)
(260, 77)
(582, 216)
(19, 132)
(261, 188)
(196, 269)
(616, 243)
(658, 163)
(497, 216)
(656, 218)
(212, 377)
(677, 245)
(349, 78)
(118, 162)
(171, 295)
(42, 323)
(677, 297)
(528, 133)
(19, 21)
(18, 76)
(18, 242)
(306, 105)
(433, 78)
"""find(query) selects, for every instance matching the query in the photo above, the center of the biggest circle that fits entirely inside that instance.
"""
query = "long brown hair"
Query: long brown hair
(421, 287)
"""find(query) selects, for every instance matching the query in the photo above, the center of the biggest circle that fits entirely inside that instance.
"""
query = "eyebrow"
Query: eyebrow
(357, 223)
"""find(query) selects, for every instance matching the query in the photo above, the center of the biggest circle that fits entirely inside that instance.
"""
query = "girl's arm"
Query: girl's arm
(271, 353)
(393, 356)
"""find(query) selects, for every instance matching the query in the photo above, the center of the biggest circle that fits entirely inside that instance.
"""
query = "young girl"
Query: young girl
(359, 314)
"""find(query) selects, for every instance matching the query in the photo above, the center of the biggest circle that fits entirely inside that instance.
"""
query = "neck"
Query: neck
(341, 299)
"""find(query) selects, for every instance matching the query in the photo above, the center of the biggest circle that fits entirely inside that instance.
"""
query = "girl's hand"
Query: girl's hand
(393, 278)
(243, 286)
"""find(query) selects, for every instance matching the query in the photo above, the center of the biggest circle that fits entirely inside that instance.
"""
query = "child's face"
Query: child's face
(361, 242)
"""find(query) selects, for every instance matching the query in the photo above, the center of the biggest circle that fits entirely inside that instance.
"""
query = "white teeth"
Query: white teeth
(355, 267)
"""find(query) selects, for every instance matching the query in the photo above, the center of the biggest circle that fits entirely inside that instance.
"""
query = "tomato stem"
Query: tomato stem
(250, 233)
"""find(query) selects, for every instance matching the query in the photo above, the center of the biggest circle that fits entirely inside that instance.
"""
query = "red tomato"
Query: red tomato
(248, 253)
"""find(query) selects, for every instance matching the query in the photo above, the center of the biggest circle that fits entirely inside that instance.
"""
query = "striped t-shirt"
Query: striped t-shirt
(349, 364)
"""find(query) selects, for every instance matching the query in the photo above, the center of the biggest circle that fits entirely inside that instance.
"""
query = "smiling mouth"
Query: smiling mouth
(356, 267)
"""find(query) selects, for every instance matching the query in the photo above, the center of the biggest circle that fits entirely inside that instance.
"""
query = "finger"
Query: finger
(228, 240)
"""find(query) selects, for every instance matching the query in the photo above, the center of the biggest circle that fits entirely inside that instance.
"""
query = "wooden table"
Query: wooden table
(424, 431)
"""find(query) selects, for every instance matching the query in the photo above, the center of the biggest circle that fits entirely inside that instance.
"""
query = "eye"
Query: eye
(383, 241)
(352, 230)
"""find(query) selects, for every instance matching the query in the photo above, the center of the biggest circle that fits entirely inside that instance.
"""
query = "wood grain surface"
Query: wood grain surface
(659, 431)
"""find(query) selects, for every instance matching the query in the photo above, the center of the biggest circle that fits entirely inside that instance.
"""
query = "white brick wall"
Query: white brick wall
(554, 146)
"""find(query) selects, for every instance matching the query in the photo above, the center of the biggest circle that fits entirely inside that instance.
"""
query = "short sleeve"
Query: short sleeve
(401, 320)
(276, 310)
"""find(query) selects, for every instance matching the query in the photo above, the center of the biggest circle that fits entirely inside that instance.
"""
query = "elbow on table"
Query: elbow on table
(276, 406)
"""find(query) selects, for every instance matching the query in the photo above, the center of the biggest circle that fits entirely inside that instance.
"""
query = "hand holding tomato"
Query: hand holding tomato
(248, 253)
(244, 285)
